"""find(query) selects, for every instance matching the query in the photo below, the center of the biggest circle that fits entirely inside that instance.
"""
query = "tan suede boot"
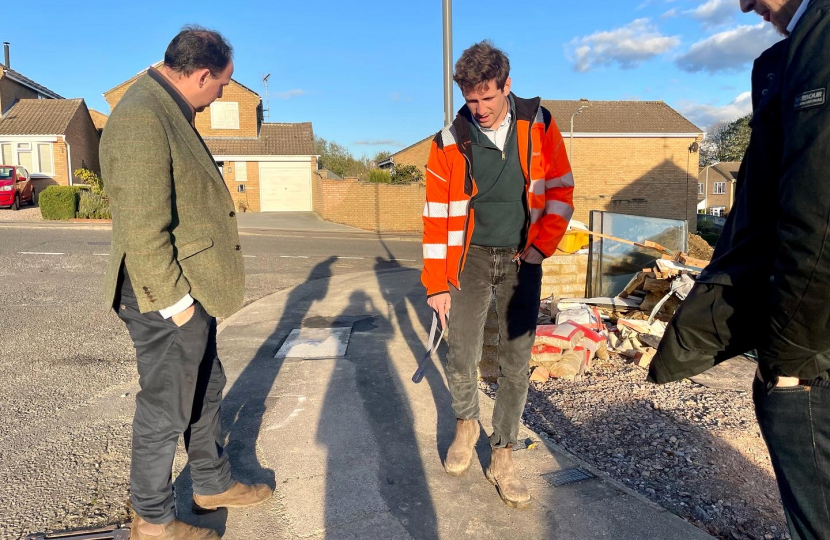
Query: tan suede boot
(172, 530)
(238, 496)
(460, 453)
(502, 474)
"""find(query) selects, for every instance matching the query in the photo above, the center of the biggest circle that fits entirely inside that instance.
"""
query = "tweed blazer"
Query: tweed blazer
(174, 225)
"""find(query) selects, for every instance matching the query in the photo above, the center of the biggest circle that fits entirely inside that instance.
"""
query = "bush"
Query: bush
(93, 206)
(380, 176)
(91, 179)
(59, 202)
(406, 174)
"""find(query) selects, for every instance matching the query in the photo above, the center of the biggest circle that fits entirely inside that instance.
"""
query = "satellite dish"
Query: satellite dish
(694, 147)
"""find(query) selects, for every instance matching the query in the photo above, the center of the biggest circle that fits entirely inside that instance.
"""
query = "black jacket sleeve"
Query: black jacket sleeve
(798, 304)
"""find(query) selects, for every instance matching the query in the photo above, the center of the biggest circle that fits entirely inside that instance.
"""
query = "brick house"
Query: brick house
(15, 86)
(51, 138)
(630, 157)
(716, 188)
(267, 166)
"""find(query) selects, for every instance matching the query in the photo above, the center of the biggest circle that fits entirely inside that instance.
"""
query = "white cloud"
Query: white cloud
(670, 14)
(714, 12)
(730, 50)
(628, 46)
(705, 114)
(288, 94)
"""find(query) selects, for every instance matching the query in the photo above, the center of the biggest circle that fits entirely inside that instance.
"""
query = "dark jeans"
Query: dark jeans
(795, 422)
(181, 381)
(517, 289)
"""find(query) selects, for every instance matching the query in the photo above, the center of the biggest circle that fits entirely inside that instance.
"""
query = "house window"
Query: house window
(224, 115)
(700, 188)
(37, 158)
(24, 155)
(45, 160)
(241, 168)
(717, 211)
(720, 188)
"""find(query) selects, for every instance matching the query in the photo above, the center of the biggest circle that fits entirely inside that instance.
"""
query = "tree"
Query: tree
(337, 158)
(726, 141)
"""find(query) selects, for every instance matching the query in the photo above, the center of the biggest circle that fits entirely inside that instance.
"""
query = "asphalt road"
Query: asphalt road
(67, 365)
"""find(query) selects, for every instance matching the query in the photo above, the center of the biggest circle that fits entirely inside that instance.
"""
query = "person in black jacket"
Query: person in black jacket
(768, 285)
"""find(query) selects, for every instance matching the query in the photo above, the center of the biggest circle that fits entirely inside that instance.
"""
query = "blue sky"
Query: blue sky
(368, 74)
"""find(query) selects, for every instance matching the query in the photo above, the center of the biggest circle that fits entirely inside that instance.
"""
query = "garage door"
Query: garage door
(285, 187)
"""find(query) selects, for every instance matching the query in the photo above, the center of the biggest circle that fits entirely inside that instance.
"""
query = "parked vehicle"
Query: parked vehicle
(15, 187)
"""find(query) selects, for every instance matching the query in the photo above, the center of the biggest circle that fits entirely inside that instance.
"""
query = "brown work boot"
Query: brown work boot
(460, 453)
(502, 474)
(238, 496)
(172, 530)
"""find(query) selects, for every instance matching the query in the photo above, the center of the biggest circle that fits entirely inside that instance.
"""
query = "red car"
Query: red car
(15, 187)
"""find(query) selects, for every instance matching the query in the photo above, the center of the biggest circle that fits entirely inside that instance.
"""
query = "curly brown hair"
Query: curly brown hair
(480, 64)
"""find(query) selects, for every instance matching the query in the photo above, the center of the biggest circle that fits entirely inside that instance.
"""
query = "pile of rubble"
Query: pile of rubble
(573, 332)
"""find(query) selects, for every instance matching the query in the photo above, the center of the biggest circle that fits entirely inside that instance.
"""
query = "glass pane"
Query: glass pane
(7, 154)
(613, 263)
(24, 159)
(45, 158)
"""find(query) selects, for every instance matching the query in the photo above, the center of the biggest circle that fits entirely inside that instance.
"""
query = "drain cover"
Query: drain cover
(567, 476)
(109, 533)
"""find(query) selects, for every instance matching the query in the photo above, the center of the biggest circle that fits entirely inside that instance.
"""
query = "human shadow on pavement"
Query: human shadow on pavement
(400, 480)
(244, 403)
(399, 309)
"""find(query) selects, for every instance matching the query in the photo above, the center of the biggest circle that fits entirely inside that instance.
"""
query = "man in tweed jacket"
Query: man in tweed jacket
(175, 265)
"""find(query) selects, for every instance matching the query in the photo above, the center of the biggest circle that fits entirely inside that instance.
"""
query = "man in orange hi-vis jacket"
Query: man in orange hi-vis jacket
(499, 198)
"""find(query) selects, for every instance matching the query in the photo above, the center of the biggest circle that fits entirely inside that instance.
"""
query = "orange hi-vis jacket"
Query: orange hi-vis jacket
(448, 214)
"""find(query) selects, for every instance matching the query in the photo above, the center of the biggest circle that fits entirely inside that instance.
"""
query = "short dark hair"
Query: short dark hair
(197, 48)
(480, 64)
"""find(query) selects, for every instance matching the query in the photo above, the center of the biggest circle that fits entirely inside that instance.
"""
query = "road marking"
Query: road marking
(250, 256)
(293, 257)
(404, 260)
(356, 258)
(38, 253)
(101, 254)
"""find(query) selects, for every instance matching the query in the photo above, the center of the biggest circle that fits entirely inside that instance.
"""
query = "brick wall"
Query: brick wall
(564, 276)
(248, 200)
(83, 140)
(417, 155)
(642, 176)
(11, 91)
(375, 207)
(248, 113)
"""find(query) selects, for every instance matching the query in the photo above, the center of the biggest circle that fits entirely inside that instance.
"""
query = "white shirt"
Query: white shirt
(498, 136)
(797, 17)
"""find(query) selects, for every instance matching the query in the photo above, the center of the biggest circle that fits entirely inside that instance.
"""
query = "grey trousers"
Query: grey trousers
(517, 288)
(181, 381)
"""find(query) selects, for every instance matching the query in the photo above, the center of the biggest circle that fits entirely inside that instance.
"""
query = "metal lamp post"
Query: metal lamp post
(447, 17)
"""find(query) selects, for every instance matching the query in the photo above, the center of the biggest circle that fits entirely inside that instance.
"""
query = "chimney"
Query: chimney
(6, 53)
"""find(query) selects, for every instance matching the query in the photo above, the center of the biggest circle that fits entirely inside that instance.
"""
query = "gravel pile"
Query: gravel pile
(696, 451)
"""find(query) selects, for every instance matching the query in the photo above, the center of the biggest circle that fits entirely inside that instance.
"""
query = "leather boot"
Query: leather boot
(238, 496)
(460, 453)
(172, 530)
(502, 474)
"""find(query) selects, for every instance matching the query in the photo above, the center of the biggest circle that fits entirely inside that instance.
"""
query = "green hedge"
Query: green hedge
(59, 202)
(93, 206)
